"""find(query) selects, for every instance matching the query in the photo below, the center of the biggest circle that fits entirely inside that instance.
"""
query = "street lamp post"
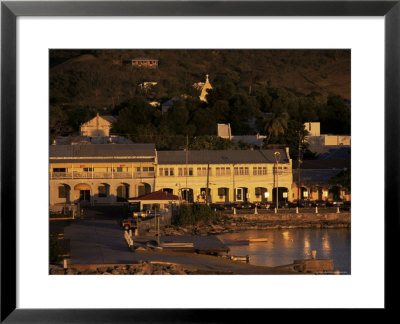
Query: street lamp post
(277, 156)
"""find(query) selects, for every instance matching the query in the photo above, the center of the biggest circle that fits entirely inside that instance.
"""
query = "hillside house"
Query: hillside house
(320, 143)
(224, 131)
(98, 126)
(147, 85)
(142, 62)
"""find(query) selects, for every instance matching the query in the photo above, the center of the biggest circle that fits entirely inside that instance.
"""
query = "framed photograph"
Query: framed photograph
(210, 140)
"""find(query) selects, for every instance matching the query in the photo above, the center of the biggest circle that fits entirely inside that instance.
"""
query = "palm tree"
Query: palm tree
(275, 125)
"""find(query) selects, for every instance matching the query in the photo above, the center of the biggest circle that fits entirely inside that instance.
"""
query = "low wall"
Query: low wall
(311, 217)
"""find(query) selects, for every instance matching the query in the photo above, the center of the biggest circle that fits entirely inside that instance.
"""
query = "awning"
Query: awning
(82, 186)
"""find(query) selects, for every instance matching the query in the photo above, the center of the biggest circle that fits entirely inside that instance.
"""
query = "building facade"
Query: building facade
(225, 176)
(313, 180)
(110, 174)
(98, 174)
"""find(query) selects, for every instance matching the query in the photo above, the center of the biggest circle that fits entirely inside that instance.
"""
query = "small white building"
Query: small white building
(154, 104)
(147, 85)
(320, 143)
(224, 131)
(313, 128)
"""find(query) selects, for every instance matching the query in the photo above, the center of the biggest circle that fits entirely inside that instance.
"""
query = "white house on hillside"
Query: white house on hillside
(321, 143)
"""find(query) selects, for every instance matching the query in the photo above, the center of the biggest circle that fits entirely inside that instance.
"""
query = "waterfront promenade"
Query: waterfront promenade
(99, 242)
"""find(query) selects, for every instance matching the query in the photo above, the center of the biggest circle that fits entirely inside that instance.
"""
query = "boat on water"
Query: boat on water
(238, 258)
(177, 244)
(258, 240)
(245, 242)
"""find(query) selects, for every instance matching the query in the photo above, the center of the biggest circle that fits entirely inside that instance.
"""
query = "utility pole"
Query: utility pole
(208, 182)
(157, 225)
(187, 157)
(233, 182)
(158, 229)
(298, 170)
(277, 156)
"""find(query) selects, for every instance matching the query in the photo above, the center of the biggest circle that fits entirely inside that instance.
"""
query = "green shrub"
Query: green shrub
(55, 249)
(194, 214)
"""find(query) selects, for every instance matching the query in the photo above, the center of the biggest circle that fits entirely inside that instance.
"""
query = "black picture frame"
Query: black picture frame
(10, 10)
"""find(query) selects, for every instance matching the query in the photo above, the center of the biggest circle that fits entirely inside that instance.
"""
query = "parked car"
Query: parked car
(140, 215)
(229, 206)
(281, 204)
(346, 205)
(306, 203)
(218, 206)
(301, 203)
(134, 206)
(245, 205)
(128, 224)
(319, 203)
(265, 205)
(335, 203)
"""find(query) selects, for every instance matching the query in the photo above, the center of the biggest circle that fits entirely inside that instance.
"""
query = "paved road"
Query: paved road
(102, 242)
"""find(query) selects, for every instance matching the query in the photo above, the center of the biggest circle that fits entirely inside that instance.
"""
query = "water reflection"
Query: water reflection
(306, 246)
(285, 246)
(326, 246)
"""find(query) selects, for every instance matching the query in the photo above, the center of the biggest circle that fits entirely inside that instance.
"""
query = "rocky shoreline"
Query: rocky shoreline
(242, 224)
(141, 268)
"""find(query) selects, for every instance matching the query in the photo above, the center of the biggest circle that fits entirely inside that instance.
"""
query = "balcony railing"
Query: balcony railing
(101, 175)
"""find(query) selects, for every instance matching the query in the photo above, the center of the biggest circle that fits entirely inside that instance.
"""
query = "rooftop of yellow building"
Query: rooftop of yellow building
(221, 156)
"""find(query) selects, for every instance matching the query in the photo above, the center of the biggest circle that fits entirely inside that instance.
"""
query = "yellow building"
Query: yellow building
(98, 174)
(227, 176)
(109, 174)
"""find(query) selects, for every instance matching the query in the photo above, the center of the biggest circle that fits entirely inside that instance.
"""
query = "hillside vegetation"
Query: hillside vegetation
(293, 86)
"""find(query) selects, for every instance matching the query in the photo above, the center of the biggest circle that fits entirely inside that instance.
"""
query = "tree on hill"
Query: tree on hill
(133, 115)
(264, 99)
(59, 123)
(247, 84)
(275, 125)
(342, 179)
(335, 116)
(294, 136)
(210, 143)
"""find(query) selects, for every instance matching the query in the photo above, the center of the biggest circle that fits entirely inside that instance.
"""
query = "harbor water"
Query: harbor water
(283, 246)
